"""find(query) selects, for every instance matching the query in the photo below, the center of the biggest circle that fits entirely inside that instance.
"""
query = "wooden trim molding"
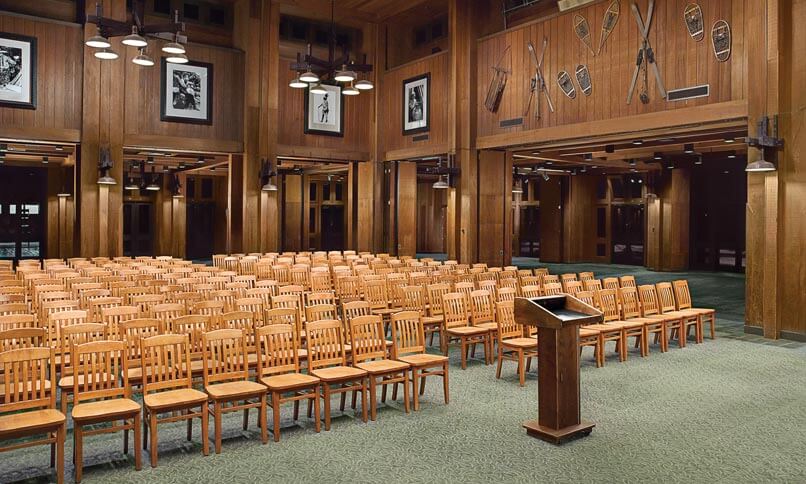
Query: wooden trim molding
(181, 143)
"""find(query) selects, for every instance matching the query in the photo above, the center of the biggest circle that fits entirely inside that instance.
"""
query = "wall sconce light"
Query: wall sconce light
(266, 175)
(104, 165)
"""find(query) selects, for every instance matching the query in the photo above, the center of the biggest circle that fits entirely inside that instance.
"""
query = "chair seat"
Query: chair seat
(27, 387)
(336, 373)
(432, 319)
(698, 311)
(66, 382)
(520, 342)
(384, 312)
(179, 398)
(488, 326)
(105, 408)
(289, 381)
(382, 366)
(423, 359)
(467, 331)
(627, 324)
(604, 328)
(586, 332)
(234, 389)
(26, 423)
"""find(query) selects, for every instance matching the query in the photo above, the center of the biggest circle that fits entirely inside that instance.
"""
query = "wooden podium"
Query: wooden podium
(557, 319)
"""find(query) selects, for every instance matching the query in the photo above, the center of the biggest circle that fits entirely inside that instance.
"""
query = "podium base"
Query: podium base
(557, 436)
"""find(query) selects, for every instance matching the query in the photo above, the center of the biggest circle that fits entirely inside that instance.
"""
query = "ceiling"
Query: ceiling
(348, 12)
(36, 154)
(191, 163)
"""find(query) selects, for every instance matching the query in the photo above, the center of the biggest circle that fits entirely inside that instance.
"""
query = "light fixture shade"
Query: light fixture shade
(343, 75)
(173, 48)
(98, 42)
(153, 187)
(269, 187)
(107, 180)
(318, 89)
(441, 184)
(143, 59)
(517, 188)
(364, 85)
(350, 91)
(177, 59)
(309, 77)
(131, 186)
(134, 39)
(297, 83)
(63, 195)
(106, 54)
(760, 166)
(178, 195)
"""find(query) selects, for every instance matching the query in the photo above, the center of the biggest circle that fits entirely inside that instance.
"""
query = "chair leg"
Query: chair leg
(528, 364)
(422, 385)
(521, 368)
(60, 438)
(205, 418)
(364, 400)
(383, 392)
(373, 399)
(327, 406)
(500, 362)
(600, 345)
(296, 409)
(713, 323)
(405, 390)
(317, 422)
(190, 427)
(145, 429)
(262, 412)
(275, 414)
(245, 418)
(445, 382)
(217, 424)
(138, 459)
(78, 451)
(310, 408)
(463, 344)
(153, 431)
(125, 440)
(414, 381)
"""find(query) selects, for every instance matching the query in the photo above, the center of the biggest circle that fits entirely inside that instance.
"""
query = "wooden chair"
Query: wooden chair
(254, 305)
(375, 295)
(193, 325)
(212, 309)
(552, 289)
(668, 306)
(102, 396)
(531, 291)
(131, 332)
(482, 315)
(631, 312)
(17, 321)
(328, 362)
(506, 294)
(408, 336)
(28, 403)
(68, 337)
(288, 301)
(435, 293)
(610, 283)
(650, 310)
(588, 336)
(321, 311)
(168, 312)
(609, 332)
(316, 298)
(572, 287)
(512, 345)
(415, 299)
(279, 371)
(112, 317)
(627, 281)
(456, 315)
(592, 285)
(683, 298)
(12, 339)
(585, 276)
(632, 328)
(226, 380)
(369, 354)
(168, 389)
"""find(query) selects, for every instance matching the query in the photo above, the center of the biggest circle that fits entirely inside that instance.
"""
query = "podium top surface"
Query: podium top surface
(555, 311)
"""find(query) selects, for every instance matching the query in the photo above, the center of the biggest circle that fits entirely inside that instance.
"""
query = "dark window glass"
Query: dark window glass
(162, 6)
(143, 218)
(326, 191)
(312, 220)
(600, 250)
(191, 187)
(207, 188)
(191, 11)
(218, 16)
(436, 30)
(601, 222)
(601, 188)
(634, 184)
(299, 31)
(339, 189)
(127, 217)
(321, 36)
(420, 36)
(312, 192)
(617, 184)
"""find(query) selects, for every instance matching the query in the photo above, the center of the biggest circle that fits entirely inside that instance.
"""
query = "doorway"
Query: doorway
(627, 239)
(138, 229)
(23, 212)
(332, 227)
(200, 230)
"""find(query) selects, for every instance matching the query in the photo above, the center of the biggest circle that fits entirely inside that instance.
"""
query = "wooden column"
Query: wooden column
(551, 219)
(101, 206)
(293, 205)
(257, 24)
(494, 229)
(667, 221)
(366, 183)
(462, 116)
(579, 218)
(406, 209)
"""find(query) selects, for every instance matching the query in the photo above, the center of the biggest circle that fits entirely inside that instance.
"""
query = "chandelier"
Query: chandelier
(311, 71)
(133, 35)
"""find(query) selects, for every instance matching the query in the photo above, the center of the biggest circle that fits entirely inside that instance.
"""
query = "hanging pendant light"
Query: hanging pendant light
(174, 47)
(177, 59)
(143, 59)
(441, 183)
(134, 39)
(106, 54)
(297, 83)
(350, 90)
(269, 187)
(309, 76)
(364, 85)
(98, 41)
(318, 89)
(517, 188)
(152, 185)
(343, 75)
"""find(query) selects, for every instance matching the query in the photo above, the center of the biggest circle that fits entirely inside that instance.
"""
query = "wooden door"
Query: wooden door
(495, 208)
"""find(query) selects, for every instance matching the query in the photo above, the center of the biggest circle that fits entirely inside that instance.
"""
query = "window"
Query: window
(190, 189)
(326, 191)
(601, 188)
(29, 249)
(207, 188)
(218, 16)
(31, 209)
(312, 192)
(601, 222)
(162, 6)
(191, 11)
(312, 220)
(7, 250)
(339, 189)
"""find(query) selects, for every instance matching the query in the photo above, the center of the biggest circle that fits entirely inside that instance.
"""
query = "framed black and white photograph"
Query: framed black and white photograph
(186, 93)
(416, 105)
(324, 113)
(17, 71)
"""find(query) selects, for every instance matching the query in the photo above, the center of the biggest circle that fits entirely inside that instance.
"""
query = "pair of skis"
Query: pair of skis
(645, 58)
(538, 82)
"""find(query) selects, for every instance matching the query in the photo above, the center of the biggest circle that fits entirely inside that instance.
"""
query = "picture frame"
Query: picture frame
(186, 92)
(324, 113)
(18, 59)
(417, 104)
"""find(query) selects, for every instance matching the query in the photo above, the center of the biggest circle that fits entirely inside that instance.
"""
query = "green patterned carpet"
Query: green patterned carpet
(729, 410)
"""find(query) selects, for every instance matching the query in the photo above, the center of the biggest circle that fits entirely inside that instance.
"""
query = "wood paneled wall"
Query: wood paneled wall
(390, 109)
(682, 61)
(293, 196)
(494, 208)
(551, 219)
(579, 220)
(292, 139)
(406, 208)
(57, 116)
(142, 100)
